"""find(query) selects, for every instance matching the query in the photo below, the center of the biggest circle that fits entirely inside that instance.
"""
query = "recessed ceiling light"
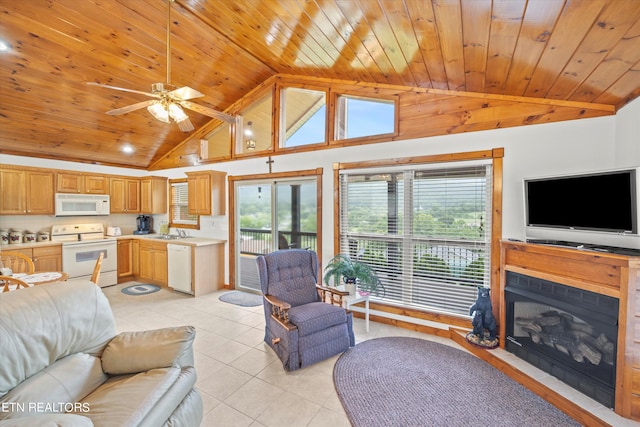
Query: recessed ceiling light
(127, 149)
(4, 46)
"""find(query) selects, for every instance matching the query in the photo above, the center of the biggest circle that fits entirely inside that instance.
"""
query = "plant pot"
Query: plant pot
(351, 288)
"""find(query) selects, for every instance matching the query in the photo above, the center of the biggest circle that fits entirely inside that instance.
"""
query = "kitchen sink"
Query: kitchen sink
(166, 237)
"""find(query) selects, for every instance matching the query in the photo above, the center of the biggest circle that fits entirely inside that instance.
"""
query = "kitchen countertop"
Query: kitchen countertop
(16, 246)
(190, 241)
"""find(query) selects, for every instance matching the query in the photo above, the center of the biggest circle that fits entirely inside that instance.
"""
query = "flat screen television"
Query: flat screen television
(600, 201)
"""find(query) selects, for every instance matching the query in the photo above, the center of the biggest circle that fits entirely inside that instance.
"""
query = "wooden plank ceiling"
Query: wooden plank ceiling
(584, 51)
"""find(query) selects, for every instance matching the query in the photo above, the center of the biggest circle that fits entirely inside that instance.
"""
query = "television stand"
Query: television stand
(586, 246)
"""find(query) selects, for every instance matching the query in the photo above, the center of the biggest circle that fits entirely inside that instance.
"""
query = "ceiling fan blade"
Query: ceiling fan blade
(208, 112)
(130, 108)
(124, 89)
(185, 93)
(185, 125)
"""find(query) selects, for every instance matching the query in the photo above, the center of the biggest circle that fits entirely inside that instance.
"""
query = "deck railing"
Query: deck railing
(256, 241)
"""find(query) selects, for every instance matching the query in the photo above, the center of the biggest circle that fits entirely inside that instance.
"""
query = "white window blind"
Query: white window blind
(179, 205)
(426, 232)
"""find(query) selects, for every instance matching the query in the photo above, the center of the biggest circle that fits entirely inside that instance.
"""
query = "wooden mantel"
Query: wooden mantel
(605, 273)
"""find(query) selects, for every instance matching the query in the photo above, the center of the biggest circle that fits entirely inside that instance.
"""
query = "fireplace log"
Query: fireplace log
(590, 353)
(607, 348)
(563, 333)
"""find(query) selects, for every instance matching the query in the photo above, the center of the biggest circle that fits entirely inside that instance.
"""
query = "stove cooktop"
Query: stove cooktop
(77, 232)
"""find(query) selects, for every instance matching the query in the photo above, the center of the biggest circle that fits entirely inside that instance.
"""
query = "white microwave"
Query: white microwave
(82, 204)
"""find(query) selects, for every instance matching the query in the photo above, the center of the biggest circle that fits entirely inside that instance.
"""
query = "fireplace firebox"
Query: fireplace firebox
(567, 332)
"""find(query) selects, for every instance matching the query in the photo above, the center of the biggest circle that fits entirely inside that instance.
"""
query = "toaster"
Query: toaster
(114, 231)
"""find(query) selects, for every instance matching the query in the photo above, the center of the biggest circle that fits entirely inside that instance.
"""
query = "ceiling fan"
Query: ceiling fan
(168, 103)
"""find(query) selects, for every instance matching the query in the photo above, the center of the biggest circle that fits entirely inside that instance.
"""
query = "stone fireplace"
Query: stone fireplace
(569, 333)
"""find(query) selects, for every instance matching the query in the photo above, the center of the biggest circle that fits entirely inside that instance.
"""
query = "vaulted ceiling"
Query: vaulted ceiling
(583, 51)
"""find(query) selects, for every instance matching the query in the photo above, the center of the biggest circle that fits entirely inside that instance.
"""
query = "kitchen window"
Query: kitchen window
(179, 216)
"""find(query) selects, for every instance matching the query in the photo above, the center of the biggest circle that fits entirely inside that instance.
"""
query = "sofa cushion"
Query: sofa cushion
(53, 389)
(182, 396)
(49, 420)
(316, 316)
(189, 413)
(132, 352)
(47, 323)
(126, 400)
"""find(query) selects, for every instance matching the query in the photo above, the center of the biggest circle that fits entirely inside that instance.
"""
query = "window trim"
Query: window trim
(195, 226)
(382, 137)
(280, 100)
(497, 155)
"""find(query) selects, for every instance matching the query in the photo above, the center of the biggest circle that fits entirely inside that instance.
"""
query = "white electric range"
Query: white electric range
(81, 247)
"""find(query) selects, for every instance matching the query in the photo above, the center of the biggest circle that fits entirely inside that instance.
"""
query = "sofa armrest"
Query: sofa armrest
(132, 352)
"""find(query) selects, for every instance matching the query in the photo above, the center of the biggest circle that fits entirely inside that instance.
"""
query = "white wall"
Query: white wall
(627, 140)
(530, 151)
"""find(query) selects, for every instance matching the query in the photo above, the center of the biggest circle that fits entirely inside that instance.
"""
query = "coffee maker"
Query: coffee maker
(144, 224)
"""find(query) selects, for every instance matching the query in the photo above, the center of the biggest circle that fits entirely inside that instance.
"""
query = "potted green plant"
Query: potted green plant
(352, 272)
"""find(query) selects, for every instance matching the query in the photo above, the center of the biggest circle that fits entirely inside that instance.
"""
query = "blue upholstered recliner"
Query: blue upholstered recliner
(300, 327)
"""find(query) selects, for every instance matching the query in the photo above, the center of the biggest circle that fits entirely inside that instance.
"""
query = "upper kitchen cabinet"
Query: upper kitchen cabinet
(153, 195)
(125, 195)
(206, 192)
(27, 192)
(72, 182)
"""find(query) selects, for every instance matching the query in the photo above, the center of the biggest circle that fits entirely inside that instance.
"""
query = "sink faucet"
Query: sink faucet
(181, 232)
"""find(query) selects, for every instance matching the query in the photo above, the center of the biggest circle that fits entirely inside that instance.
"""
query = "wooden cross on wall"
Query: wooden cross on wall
(270, 163)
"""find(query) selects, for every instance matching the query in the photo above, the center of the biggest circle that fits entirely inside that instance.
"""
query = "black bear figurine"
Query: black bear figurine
(483, 320)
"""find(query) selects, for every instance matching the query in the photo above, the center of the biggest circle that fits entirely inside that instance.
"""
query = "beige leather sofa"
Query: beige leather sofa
(62, 364)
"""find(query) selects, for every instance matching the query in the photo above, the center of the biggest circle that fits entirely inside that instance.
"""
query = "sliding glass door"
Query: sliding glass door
(272, 215)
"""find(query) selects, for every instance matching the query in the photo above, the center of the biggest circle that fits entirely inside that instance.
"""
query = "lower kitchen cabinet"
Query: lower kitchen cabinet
(47, 258)
(153, 262)
(128, 260)
(147, 260)
(208, 268)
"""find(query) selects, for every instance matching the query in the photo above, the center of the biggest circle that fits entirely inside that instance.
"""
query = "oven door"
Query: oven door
(79, 259)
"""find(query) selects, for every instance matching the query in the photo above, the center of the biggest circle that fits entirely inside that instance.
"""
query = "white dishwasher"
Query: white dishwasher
(179, 260)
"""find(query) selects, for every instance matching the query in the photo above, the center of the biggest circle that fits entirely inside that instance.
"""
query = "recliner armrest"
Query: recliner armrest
(280, 311)
(132, 352)
(276, 302)
(335, 295)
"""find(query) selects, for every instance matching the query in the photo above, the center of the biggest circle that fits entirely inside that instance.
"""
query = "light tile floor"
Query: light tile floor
(242, 382)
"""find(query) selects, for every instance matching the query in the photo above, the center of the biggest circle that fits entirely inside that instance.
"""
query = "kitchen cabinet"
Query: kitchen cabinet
(207, 192)
(153, 262)
(96, 184)
(46, 258)
(207, 264)
(153, 195)
(27, 192)
(128, 264)
(125, 195)
(73, 182)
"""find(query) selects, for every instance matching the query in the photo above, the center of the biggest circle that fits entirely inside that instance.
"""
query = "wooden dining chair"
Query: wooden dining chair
(95, 277)
(17, 262)
(10, 283)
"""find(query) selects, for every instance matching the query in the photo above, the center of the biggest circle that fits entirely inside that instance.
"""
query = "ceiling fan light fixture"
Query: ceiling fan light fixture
(176, 112)
(159, 112)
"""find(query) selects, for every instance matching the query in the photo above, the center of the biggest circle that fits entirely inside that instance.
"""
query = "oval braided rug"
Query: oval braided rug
(398, 381)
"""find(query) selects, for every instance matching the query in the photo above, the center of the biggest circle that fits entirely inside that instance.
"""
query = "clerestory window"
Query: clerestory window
(358, 117)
